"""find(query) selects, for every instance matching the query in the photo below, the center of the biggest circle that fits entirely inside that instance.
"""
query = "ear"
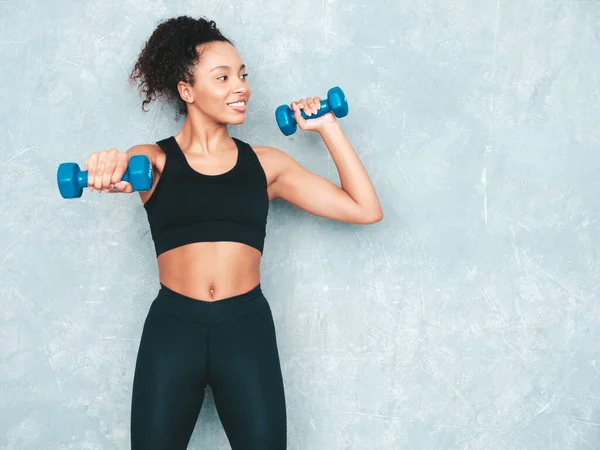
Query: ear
(185, 92)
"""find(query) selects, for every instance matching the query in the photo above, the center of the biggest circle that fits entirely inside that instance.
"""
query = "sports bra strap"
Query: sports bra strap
(172, 150)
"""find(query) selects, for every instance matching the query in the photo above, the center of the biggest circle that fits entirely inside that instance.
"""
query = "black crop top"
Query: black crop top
(188, 206)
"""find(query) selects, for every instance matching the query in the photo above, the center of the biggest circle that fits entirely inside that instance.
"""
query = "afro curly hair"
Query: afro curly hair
(169, 56)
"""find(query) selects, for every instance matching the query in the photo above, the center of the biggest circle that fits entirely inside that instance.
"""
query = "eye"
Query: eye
(244, 76)
(224, 78)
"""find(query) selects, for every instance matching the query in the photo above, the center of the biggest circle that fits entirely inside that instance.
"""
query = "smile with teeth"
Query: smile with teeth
(237, 104)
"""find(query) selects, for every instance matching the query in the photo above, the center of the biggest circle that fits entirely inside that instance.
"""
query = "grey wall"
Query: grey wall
(466, 319)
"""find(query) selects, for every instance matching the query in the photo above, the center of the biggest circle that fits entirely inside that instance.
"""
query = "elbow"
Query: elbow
(372, 218)
(378, 217)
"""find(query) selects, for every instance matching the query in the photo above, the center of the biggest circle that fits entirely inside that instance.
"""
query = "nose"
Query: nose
(240, 87)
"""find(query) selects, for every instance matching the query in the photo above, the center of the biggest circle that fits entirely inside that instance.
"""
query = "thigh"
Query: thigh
(169, 382)
(245, 376)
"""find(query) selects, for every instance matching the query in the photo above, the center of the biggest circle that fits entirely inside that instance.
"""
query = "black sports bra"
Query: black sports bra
(188, 206)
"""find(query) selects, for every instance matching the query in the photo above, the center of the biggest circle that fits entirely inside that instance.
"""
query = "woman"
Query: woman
(210, 323)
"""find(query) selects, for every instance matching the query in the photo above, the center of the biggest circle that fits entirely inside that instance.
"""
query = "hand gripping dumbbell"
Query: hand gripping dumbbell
(72, 180)
(336, 103)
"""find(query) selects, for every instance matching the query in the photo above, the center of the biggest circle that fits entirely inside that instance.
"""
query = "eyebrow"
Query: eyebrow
(243, 66)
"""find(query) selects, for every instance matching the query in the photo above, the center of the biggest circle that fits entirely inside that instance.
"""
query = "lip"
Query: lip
(240, 109)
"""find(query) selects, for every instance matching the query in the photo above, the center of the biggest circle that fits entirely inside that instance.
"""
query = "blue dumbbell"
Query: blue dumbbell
(72, 180)
(336, 103)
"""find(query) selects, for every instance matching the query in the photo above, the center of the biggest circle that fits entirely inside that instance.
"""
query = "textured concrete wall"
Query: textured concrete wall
(467, 319)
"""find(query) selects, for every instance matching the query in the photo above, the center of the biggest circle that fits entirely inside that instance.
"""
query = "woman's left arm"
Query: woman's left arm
(355, 201)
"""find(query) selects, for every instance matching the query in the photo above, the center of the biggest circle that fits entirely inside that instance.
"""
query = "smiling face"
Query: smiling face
(220, 90)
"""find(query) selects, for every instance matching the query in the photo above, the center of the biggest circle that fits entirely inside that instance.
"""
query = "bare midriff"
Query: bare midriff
(210, 271)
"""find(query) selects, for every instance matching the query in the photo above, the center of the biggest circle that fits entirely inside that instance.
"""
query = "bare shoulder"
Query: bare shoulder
(157, 161)
(273, 160)
(268, 152)
(152, 151)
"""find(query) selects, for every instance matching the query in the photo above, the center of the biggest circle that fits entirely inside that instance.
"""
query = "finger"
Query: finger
(296, 106)
(90, 165)
(109, 168)
(120, 168)
(124, 186)
(303, 106)
(99, 170)
(298, 115)
(317, 101)
(310, 102)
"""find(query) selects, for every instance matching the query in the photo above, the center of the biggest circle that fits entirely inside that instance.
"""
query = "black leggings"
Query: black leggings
(229, 344)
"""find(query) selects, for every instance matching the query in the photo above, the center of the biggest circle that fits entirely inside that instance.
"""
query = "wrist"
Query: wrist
(330, 128)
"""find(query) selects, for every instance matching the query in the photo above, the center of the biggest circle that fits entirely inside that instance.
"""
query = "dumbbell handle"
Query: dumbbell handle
(82, 178)
(324, 109)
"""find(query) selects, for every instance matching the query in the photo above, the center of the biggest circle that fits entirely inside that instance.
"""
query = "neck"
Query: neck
(200, 134)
